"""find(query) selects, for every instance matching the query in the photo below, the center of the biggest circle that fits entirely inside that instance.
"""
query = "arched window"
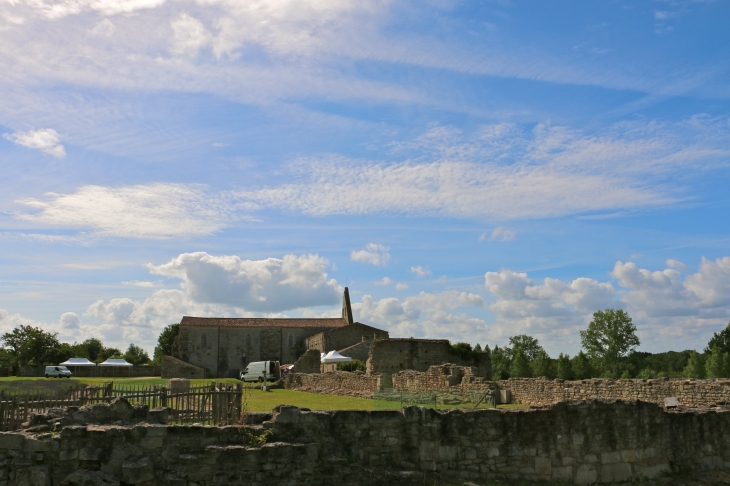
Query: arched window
(291, 341)
(203, 340)
(248, 340)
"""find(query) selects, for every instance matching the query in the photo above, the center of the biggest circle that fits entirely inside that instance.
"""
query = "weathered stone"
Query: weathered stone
(89, 478)
(139, 471)
(585, 475)
(615, 473)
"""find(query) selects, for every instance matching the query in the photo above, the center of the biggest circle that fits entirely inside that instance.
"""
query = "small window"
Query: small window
(248, 340)
(203, 340)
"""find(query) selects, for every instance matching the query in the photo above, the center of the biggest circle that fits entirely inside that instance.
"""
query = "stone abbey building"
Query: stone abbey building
(224, 346)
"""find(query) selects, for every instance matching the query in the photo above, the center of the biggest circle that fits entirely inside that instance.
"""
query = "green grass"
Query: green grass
(25, 384)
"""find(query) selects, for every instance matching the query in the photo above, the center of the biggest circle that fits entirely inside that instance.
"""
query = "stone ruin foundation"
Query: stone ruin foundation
(582, 442)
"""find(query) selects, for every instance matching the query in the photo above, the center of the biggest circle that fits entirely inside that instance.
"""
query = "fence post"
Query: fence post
(163, 396)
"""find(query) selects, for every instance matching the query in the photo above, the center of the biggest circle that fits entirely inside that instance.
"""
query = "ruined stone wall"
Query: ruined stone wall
(580, 443)
(343, 337)
(690, 392)
(345, 383)
(359, 351)
(176, 368)
(393, 355)
(309, 362)
(442, 377)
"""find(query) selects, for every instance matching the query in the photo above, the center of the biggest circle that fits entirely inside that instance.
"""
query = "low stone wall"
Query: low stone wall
(352, 384)
(580, 443)
(689, 392)
(176, 368)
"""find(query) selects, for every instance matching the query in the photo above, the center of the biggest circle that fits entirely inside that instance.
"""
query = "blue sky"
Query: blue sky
(472, 170)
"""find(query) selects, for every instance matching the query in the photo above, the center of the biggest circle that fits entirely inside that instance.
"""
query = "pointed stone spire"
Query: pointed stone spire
(346, 307)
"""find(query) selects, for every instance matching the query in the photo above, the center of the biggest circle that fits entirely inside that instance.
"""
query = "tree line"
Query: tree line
(609, 351)
(28, 345)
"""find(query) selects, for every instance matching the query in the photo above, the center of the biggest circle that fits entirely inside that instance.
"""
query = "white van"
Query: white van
(58, 372)
(255, 371)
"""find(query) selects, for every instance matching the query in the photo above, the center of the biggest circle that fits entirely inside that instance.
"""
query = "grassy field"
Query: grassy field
(255, 400)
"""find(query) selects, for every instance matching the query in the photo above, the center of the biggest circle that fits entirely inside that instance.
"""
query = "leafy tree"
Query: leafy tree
(527, 344)
(564, 368)
(108, 353)
(581, 366)
(520, 365)
(646, 374)
(695, 366)
(93, 348)
(716, 365)
(166, 343)
(720, 340)
(542, 365)
(477, 348)
(500, 363)
(610, 337)
(136, 355)
(30, 345)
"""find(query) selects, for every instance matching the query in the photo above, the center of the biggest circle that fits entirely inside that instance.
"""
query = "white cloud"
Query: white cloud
(421, 272)
(103, 28)
(269, 285)
(189, 35)
(384, 281)
(141, 211)
(501, 173)
(502, 234)
(145, 284)
(64, 8)
(373, 254)
(677, 265)
(44, 139)
(401, 286)
(70, 321)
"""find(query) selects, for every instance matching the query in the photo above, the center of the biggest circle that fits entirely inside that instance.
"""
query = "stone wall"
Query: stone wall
(359, 351)
(690, 392)
(343, 337)
(393, 355)
(345, 383)
(309, 362)
(442, 377)
(176, 368)
(580, 443)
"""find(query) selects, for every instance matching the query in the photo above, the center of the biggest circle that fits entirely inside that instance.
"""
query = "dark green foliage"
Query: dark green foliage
(717, 364)
(500, 363)
(609, 338)
(354, 365)
(527, 344)
(136, 355)
(695, 366)
(581, 366)
(720, 340)
(542, 365)
(92, 347)
(520, 365)
(108, 353)
(166, 343)
(30, 345)
(564, 370)
(477, 348)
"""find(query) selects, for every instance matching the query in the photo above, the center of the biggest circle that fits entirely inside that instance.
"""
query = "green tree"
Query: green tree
(93, 347)
(564, 368)
(646, 374)
(478, 348)
(500, 363)
(720, 340)
(108, 353)
(543, 365)
(166, 343)
(581, 366)
(716, 365)
(136, 355)
(695, 366)
(30, 345)
(610, 337)
(527, 344)
(520, 365)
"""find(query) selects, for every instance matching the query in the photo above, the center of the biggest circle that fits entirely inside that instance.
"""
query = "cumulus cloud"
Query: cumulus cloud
(421, 272)
(373, 254)
(270, 285)
(189, 35)
(46, 140)
(141, 211)
(384, 281)
(401, 286)
(501, 233)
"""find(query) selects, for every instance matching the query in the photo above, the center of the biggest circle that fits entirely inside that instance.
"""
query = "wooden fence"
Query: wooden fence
(214, 404)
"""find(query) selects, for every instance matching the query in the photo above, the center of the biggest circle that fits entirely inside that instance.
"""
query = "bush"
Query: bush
(354, 365)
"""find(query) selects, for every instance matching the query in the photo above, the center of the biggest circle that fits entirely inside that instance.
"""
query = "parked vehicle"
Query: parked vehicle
(255, 371)
(58, 372)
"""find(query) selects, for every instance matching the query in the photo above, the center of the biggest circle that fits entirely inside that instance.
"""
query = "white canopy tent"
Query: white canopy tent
(335, 357)
(77, 362)
(115, 362)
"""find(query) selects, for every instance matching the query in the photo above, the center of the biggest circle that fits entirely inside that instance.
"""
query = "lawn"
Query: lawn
(25, 384)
